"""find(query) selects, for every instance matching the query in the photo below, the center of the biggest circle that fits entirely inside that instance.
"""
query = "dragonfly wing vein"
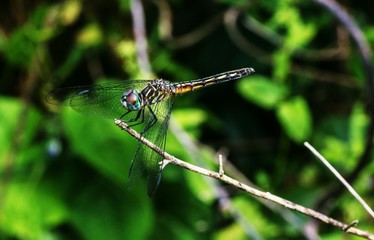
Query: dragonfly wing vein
(146, 162)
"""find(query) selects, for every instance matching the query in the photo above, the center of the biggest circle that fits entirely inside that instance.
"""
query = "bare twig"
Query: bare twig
(220, 165)
(239, 185)
(353, 224)
(291, 218)
(222, 196)
(366, 55)
(140, 37)
(188, 39)
(230, 19)
(341, 179)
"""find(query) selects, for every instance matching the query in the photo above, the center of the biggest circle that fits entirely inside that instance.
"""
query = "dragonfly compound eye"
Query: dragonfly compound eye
(130, 100)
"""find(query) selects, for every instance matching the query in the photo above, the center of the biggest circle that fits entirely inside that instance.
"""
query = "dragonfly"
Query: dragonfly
(147, 102)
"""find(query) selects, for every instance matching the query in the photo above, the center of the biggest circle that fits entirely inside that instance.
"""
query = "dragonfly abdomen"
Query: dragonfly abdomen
(184, 87)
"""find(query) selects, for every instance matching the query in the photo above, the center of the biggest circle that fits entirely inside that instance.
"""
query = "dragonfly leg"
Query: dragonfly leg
(152, 121)
(140, 113)
(136, 118)
(124, 114)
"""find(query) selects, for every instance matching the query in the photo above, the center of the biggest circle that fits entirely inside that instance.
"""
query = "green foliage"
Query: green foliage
(298, 34)
(28, 36)
(30, 120)
(200, 187)
(253, 215)
(357, 125)
(64, 175)
(112, 218)
(127, 51)
(190, 119)
(19, 219)
(295, 118)
(262, 91)
(336, 148)
(113, 141)
(293, 114)
(163, 61)
(233, 231)
(287, 16)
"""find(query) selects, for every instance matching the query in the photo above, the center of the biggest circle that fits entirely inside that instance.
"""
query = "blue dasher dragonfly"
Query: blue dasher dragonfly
(136, 102)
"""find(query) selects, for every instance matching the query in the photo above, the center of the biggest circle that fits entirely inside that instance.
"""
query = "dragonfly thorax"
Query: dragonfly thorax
(131, 100)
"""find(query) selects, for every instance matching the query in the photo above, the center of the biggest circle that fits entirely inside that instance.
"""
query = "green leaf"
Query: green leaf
(28, 212)
(233, 231)
(342, 151)
(282, 61)
(253, 215)
(16, 55)
(125, 5)
(104, 212)
(337, 152)
(29, 122)
(126, 50)
(190, 119)
(22, 44)
(288, 18)
(262, 91)
(171, 226)
(164, 61)
(90, 36)
(12, 108)
(200, 186)
(294, 116)
(101, 143)
(69, 11)
(357, 129)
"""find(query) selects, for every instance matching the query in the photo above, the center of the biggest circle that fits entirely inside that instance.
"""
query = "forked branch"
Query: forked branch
(230, 181)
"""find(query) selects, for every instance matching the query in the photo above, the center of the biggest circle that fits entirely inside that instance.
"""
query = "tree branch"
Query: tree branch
(366, 55)
(230, 181)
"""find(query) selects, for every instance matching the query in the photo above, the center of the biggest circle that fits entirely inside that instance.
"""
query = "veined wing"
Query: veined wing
(146, 162)
(102, 100)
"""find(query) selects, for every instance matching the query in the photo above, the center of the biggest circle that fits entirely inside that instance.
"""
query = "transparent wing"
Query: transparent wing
(146, 162)
(103, 100)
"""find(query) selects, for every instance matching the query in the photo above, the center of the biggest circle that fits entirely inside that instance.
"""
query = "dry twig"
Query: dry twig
(239, 185)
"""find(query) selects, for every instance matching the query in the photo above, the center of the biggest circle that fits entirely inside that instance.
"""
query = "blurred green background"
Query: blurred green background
(63, 175)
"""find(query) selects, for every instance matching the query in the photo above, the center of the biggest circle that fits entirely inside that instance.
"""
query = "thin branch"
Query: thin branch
(188, 39)
(290, 217)
(220, 165)
(366, 55)
(353, 224)
(230, 20)
(341, 179)
(239, 185)
(137, 14)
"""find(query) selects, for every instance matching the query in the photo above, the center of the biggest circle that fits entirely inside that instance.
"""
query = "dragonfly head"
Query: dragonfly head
(131, 100)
